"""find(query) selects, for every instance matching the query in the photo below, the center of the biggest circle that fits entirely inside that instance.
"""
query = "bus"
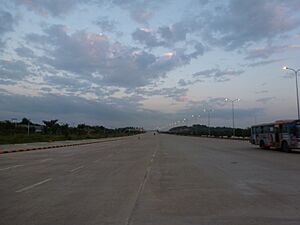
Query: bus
(282, 134)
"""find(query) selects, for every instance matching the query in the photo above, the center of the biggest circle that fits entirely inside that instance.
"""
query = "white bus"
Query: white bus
(282, 134)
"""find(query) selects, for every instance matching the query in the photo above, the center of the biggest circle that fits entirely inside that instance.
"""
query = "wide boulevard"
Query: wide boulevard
(151, 180)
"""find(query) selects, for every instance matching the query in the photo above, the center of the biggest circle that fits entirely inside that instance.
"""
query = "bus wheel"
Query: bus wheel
(262, 144)
(285, 147)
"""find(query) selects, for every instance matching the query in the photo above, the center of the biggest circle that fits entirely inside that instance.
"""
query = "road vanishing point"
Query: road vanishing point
(152, 180)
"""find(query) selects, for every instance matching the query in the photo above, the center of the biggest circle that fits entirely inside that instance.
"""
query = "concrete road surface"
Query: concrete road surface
(154, 180)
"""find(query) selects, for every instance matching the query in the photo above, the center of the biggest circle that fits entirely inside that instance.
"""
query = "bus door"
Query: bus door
(277, 132)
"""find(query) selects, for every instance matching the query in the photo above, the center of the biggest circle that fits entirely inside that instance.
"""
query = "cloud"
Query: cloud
(70, 109)
(169, 36)
(71, 83)
(262, 92)
(146, 37)
(177, 94)
(265, 100)
(25, 52)
(6, 22)
(268, 51)
(241, 23)
(174, 33)
(221, 110)
(97, 58)
(217, 74)
(106, 24)
(141, 11)
(209, 103)
(6, 25)
(13, 71)
(184, 83)
(50, 7)
(265, 62)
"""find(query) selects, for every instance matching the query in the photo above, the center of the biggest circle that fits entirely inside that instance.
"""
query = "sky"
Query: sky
(148, 63)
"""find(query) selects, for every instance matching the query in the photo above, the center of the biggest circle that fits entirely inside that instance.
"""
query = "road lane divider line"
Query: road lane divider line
(33, 185)
(77, 168)
(11, 167)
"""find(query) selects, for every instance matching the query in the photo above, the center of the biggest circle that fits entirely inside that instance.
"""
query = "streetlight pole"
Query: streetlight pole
(28, 127)
(232, 106)
(296, 75)
(192, 120)
(198, 117)
(208, 118)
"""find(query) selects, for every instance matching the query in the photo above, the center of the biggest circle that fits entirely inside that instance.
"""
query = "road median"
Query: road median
(4, 149)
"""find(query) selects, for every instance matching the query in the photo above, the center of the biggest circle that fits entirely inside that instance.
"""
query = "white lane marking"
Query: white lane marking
(34, 185)
(75, 169)
(45, 160)
(7, 168)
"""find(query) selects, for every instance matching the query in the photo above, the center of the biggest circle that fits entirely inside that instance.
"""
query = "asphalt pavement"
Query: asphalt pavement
(151, 180)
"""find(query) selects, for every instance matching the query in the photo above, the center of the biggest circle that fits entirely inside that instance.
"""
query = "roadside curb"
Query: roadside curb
(55, 146)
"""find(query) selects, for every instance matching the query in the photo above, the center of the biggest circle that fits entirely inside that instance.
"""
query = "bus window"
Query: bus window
(267, 129)
(285, 128)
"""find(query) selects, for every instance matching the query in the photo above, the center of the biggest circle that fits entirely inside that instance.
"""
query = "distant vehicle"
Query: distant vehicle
(282, 134)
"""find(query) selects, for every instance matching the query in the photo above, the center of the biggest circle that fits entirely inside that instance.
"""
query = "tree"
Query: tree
(51, 126)
(25, 121)
(65, 130)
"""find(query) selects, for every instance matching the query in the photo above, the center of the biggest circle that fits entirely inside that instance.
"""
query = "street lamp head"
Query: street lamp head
(226, 99)
(285, 68)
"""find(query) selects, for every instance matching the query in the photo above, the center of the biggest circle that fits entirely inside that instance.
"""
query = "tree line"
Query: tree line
(200, 130)
(52, 127)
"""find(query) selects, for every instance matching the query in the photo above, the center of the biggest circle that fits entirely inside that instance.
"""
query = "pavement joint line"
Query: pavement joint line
(141, 188)
(77, 168)
(33, 185)
(11, 167)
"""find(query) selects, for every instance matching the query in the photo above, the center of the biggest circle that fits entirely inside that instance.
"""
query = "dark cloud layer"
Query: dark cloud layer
(74, 109)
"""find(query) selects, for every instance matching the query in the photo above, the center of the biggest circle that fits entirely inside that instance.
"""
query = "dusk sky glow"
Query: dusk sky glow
(148, 63)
